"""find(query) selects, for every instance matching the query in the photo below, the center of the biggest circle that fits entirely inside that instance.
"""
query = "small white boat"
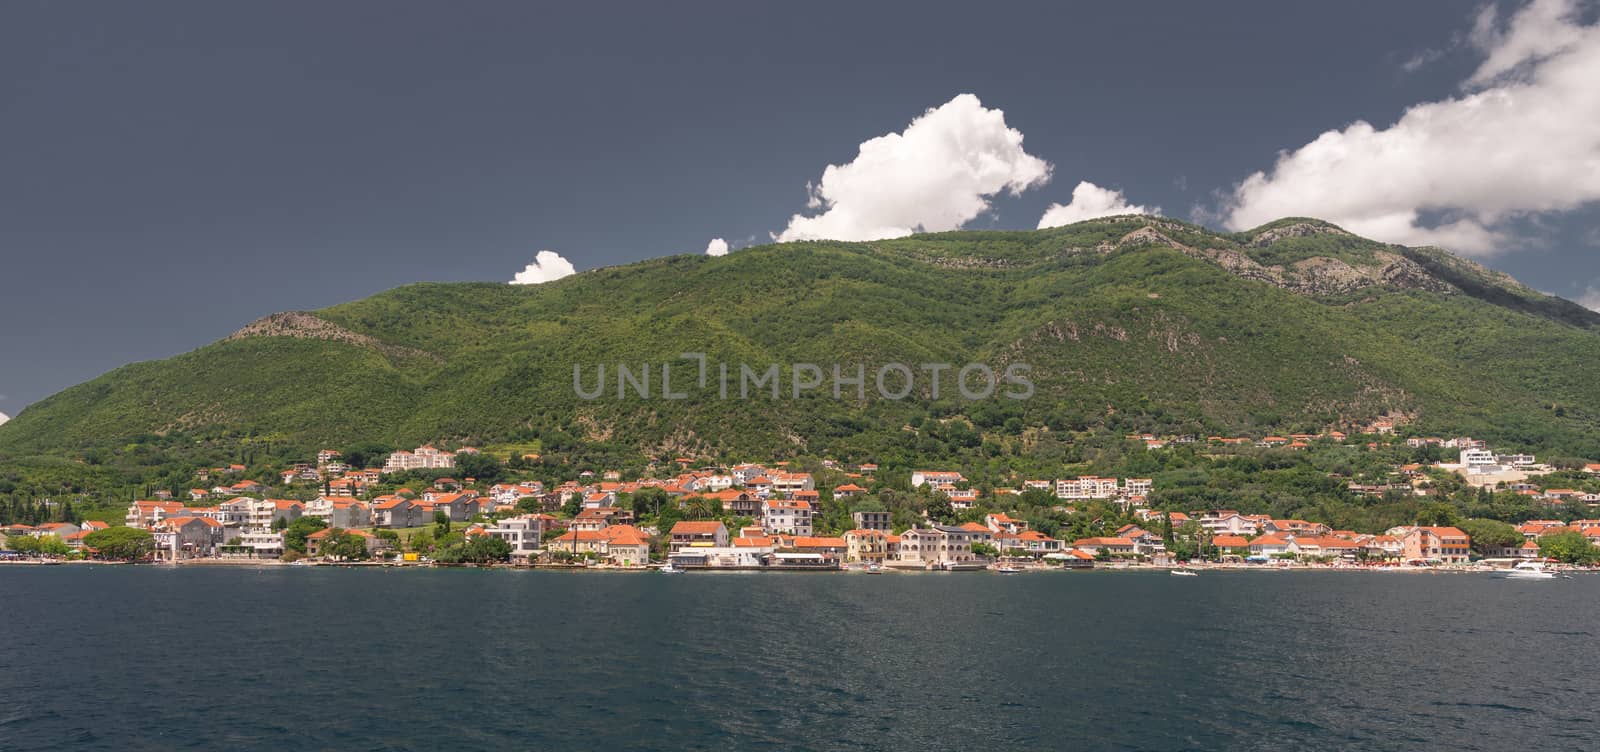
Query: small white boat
(1184, 573)
(873, 569)
(1529, 570)
(669, 568)
(1007, 569)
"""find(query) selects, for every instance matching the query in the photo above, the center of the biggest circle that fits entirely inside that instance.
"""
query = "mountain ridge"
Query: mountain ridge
(1131, 322)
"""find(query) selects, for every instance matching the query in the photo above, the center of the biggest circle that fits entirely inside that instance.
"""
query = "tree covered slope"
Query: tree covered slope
(1129, 323)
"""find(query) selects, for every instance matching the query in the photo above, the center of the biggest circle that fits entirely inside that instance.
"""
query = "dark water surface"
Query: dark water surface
(312, 658)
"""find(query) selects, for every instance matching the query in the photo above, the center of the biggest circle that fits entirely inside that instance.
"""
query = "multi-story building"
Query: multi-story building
(424, 458)
(940, 546)
(1444, 544)
(786, 517)
(871, 520)
(524, 533)
(143, 513)
(866, 545)
(339, 512)
(703, 534)
(1086, 487)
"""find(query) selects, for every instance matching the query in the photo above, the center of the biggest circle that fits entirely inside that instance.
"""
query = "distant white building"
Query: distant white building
(1471, 458)
(1086, 487)
(935, 477)
(424, 458)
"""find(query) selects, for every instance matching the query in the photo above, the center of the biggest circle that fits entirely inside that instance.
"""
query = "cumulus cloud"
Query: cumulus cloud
(1088, 202)
(1519, 141)
(937, 174)
(547, 266)
(717, 247)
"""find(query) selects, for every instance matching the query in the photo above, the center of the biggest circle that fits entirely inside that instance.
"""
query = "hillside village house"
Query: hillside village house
(397, 511)
(739, 503)
(871, 520)
(935, 477)
(710, 534)
(339, 512)
(786, 517)
(1229, 522)
(847, 491)
(1000, 521)
(981, 534)
(142, 513)
(791, 483)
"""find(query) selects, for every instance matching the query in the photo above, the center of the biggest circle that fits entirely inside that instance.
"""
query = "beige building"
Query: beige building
(940, 546)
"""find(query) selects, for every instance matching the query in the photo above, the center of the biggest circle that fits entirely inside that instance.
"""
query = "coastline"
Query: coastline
(1130, 568)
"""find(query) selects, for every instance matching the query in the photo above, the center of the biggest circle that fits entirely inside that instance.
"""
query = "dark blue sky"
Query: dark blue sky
(173, 170)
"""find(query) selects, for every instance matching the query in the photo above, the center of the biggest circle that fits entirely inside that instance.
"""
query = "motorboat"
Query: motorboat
(873, 569)
(1007, 569)
(1185, 573)
(670, 568)
(1529, 570)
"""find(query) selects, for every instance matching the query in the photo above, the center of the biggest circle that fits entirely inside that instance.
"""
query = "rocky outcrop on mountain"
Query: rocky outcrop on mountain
(1319, 275)
(302, 325)
(1296, 230)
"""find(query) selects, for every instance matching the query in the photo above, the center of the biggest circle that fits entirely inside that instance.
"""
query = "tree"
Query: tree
(421, 542)
(1570, 547)
(573, 506)
(344, 545)
(487, 548)
(647, 502)
(1437, 515)
(529, 505)
(123, 543)
(985, 549)
(294, 536)
(1488, 535)
(697, 507)
(52, 545)
(441, 522)
(480, 467)
(279, 524)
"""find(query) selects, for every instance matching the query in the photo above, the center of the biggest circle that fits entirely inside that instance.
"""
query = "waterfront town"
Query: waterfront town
(411, 510)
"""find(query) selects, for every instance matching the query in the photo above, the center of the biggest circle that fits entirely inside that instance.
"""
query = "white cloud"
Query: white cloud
(1520, 141)
(1421, 60)
(717, 247)
(547, 266)
(1590, 298)
(935, 175)
(1088, 202)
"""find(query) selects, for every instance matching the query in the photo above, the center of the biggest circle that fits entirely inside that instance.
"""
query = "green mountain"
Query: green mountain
(1129, 324)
